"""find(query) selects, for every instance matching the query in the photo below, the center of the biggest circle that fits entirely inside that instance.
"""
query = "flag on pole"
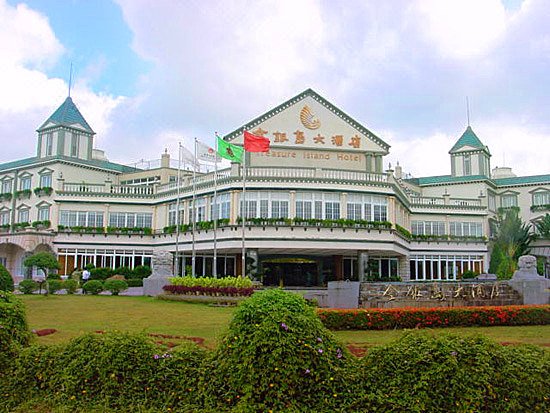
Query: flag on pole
(253, 143)
(206, 153)
(229, 151)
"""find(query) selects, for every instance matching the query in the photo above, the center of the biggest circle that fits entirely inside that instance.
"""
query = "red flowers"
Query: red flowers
(382, 319)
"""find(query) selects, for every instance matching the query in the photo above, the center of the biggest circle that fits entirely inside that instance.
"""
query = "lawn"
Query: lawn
(77, 314)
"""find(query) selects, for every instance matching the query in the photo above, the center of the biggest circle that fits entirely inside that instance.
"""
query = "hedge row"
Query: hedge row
(277, 356)
(214, 291)
(188, 281)
(384, 319)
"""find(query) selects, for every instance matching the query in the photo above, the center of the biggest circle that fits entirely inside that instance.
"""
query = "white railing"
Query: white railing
(465, 202)
(452, 203)
(427, 201)
(83, 187)
(133, 189)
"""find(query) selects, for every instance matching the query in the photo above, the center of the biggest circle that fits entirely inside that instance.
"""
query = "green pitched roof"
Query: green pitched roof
(67, 115)
(445, 179)
(468, 138)
(318, 98)
(523, 180)
(28, 162)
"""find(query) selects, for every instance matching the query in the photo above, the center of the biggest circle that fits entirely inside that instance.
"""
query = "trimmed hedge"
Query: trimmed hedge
(6, 281)
(214, 291)
(14, 331)
(383, 319)
(188, 281)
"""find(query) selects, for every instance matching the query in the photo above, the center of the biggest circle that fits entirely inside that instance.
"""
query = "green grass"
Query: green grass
(75, 315)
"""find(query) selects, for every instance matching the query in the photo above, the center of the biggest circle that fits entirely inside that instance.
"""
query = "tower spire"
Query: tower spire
(468, 109)
(70, 79)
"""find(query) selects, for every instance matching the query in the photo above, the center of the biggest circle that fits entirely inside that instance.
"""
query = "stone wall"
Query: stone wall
(430, 294)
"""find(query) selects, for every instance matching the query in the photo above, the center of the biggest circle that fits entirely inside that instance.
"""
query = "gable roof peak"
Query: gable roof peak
(67, 115)
(469, 139)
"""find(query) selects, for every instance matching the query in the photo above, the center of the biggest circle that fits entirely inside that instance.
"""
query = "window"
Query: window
(492, 202)
(221, 208)
(428, 227)
(466, 229)
(23, 215)
(81, 218)
(6, 186)
(508, 200)
(541, 198)
(4, 217)
(467, 165)
(74, 144)
(25, 183)
(49, 144)
(44, 213)
(332, 206)
(172, 213)
(46, 180)
(130, 220)
(200, 210)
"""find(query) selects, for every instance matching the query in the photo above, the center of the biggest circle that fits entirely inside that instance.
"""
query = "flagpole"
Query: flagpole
(178, 212)
(216, 212)
(193, 212)
(244, 213)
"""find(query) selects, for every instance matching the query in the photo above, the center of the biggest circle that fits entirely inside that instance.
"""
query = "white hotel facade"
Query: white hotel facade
(320, 204)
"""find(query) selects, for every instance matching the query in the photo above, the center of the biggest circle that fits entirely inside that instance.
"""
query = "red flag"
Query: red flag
(253, 143)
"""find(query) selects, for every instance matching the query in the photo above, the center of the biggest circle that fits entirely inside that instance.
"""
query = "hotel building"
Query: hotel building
(319, 205)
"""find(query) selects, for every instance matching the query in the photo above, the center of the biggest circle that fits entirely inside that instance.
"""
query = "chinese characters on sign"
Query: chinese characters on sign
(299, 137)
(438, 292)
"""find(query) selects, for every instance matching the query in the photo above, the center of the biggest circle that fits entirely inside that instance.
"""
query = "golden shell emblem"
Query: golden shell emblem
(309, 120)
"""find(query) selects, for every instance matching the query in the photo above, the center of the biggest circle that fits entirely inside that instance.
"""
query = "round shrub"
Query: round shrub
(70, 286)
(14, 331)
(28, 286)
(6, 281)
(54, 286)
(93, 287)
(135, 282)
(140, 272)
(448, 373)
(277, 356)
(100, 273)
(126, 271)
(113, 368)
(115, 286)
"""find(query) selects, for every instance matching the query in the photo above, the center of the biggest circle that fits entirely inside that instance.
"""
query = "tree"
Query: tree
(44, 261)
(543, 227)
(511, 241)
(6, 282)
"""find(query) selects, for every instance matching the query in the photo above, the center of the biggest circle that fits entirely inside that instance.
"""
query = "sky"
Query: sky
(147, 75)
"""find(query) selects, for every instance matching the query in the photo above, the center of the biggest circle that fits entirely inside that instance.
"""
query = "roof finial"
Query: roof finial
(468, 109)
(70, 79)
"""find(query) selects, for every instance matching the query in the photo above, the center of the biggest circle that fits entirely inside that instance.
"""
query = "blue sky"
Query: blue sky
(148, 74)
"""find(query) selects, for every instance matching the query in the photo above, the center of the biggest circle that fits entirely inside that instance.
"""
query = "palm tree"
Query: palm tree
(542, 227)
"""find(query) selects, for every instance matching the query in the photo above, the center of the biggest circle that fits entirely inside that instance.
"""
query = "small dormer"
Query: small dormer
(65, 133)
(469, 156)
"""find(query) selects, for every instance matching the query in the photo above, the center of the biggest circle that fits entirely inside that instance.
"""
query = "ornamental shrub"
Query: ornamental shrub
(14, 331)
(54, 286)
(448, 373)
(93, 287)
(115, 286)
(70, 286)
(140, 272)
(126, 271)
(276, 356)
(135, 282)
(100, 273)
(28, 286)
(6, 281)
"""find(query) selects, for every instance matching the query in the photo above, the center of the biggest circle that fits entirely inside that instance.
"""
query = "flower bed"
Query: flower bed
(211, 291)
(383, 319)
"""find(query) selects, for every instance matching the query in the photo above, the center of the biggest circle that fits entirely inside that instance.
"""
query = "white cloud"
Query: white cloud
(462, 29)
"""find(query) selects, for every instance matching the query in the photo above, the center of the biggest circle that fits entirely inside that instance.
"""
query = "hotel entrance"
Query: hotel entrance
(297, 271)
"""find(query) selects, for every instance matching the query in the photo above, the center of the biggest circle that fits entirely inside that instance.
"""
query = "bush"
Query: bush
(469, 274)
(277, 355)
(93, 287)
(115, 286)
(188, 281)
(54, 286)
(422, 373)
(123, 271)
(134, 282)
(70, 286)
(6, 281)
(214, 291)
(14, 332)
(383, 319)
(140, 272)
(28, 286)
(100, 273)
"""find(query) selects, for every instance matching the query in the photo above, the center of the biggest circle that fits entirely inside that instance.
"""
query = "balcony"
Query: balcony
(447, 202)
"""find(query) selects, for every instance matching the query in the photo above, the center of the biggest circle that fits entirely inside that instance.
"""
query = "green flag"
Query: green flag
(229, 151)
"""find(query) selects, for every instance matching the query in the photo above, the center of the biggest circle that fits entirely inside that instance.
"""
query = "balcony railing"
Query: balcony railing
(454, 203)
